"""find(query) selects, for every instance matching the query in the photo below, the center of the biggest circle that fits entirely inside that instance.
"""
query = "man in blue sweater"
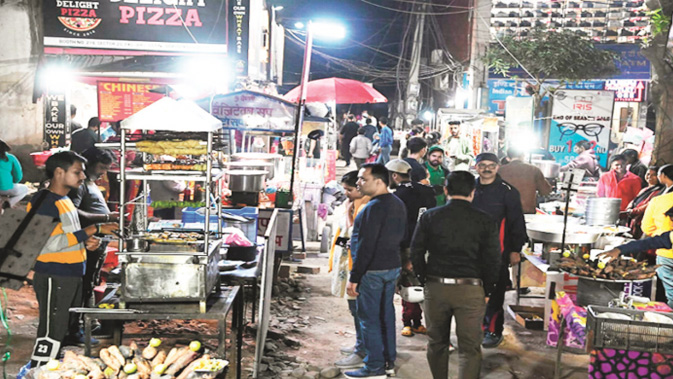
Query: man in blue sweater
(376, 240)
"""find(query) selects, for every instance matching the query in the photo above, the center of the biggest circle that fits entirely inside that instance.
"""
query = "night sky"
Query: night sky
(366, 24)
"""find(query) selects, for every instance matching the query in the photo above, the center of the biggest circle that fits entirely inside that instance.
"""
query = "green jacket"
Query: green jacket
(437, 177)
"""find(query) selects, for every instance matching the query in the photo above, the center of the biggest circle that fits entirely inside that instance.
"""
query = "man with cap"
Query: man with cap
(438, 172)
(458, 149)
(417, 198)
(503, 203)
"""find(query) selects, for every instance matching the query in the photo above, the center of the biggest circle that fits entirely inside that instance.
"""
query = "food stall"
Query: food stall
(601, 306)
(258, 130)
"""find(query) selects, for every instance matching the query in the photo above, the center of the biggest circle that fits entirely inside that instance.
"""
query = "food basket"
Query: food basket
(632, 334)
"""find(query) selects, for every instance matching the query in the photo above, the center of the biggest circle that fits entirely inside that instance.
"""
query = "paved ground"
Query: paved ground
(523, 354)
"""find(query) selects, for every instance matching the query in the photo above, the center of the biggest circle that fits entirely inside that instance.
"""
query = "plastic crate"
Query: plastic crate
(634, 335)
(191, 215)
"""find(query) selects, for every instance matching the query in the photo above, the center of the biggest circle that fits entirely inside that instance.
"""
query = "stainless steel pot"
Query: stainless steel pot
(246, 180)
(550, 169)
(602, 211)
(253, 165)
(275, 159)
(553, 233)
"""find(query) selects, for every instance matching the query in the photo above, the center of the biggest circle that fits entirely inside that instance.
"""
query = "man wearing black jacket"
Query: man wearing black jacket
(460, 273)
(503, 203)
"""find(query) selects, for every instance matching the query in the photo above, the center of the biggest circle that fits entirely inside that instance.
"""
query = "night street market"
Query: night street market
(336, 189)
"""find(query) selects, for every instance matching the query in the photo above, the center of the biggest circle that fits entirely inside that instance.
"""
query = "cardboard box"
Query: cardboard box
(528, 317)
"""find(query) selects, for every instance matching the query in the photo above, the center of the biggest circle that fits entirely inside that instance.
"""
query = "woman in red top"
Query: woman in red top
(619, 183)
(637, 206)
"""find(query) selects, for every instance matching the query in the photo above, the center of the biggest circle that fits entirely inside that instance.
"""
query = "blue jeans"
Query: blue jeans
(665, 274)
(377, 317)
(384, 155)
(359, 341)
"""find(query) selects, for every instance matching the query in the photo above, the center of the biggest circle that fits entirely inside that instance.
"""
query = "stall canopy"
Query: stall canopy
(251, 111)
(339, 91)
(173, 115)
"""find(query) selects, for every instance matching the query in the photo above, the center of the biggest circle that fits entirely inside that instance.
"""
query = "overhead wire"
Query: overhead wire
(415, 12)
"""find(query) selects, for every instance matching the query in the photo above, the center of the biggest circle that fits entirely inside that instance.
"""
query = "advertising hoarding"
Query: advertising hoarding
(581, 115)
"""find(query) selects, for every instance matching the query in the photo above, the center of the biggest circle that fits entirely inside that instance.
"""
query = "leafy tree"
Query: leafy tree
(548, 54)
(661, 86)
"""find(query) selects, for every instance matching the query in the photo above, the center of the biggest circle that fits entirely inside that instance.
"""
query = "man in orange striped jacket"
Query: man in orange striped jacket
(60, 266)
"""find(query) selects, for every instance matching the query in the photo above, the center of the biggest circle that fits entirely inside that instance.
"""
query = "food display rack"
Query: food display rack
(181, 273)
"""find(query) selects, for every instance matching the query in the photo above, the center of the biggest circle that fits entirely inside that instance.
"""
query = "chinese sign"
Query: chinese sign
(580, 115)
(55, 120)
(119, 100)
(182, 26)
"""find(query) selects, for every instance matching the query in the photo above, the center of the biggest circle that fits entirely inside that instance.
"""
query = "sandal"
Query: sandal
(407, 332)
(419, 329)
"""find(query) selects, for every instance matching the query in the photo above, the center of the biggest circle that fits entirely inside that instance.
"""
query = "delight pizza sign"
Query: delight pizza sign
(182, 26)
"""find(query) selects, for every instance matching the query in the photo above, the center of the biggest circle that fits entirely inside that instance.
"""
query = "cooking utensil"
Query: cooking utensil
(258, 165)
(550, 169)
(575, 234)
(246, 180)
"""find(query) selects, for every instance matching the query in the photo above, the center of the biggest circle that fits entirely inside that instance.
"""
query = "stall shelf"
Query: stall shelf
(191, 269)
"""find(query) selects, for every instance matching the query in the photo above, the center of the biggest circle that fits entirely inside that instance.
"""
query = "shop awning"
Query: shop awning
(173, 115)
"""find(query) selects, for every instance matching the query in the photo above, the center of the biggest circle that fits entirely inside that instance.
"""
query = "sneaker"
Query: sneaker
(491, 340)
(451, 348)
(78, 340)
(407, 332)
(365, 373)
(347, 350)
(419, 329)
(351, 361)
(390, 369)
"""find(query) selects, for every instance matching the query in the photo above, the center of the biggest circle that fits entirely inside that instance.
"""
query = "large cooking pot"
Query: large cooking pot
(246, 180)
(553, 233)
(602, 210)
(253, 165)
(550, 169)
(275, 159)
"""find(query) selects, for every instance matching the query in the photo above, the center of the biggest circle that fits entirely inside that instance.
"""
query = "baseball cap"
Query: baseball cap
(434, 148)
(487, 157)
(398, 165)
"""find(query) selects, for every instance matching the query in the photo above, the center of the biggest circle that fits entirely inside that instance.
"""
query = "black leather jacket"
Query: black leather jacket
(462, 242)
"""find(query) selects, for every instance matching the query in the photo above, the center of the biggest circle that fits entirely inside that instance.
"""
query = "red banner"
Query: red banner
(119, 100)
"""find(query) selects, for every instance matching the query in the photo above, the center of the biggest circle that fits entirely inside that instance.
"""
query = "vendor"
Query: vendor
(166, 190)
(585, 160)
(664, 244)
(619, 183)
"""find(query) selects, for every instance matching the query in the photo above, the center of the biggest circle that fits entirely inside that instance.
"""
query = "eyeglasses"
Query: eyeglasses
(591, 130)
(492, 166)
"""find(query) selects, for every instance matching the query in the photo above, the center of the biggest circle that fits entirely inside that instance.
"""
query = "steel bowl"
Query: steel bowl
(246, 180)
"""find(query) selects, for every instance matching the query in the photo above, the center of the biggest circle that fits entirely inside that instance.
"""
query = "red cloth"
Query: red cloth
(626, 189)
(411, 312)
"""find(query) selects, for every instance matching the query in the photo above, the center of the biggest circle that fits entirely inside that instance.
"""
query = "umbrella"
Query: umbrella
(338, 90)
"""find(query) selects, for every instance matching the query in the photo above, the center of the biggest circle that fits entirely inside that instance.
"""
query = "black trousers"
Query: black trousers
(494, 320)
(55, 296)
(94, 262)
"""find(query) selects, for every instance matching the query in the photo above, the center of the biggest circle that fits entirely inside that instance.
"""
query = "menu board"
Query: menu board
(119, 100)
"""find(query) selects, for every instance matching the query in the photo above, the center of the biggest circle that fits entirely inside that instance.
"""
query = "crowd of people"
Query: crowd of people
(462, 234)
